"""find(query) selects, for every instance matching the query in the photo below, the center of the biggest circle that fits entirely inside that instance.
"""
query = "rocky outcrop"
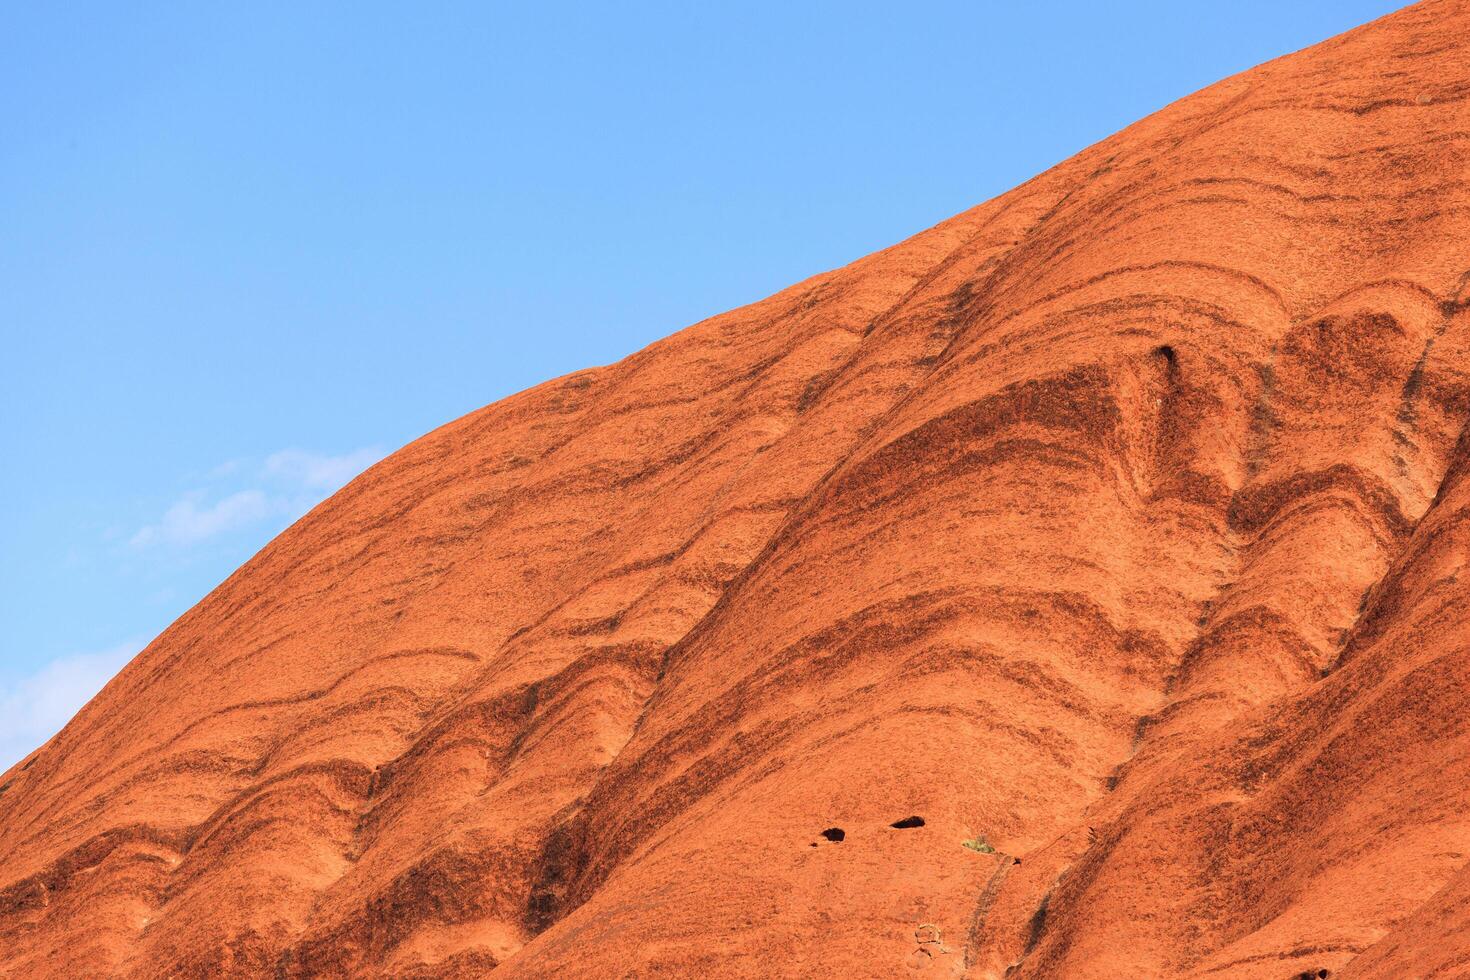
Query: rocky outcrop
(1117, 528)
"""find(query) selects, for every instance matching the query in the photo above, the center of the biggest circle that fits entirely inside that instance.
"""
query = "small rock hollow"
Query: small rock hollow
(834, 834)
(907, 823)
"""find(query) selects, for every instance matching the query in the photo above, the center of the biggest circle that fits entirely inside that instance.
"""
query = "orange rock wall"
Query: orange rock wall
(1118, 526)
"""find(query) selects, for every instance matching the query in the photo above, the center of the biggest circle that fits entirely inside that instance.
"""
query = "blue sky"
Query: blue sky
(247, 249)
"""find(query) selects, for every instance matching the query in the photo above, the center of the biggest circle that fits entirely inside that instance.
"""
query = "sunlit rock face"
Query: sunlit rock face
(1077, 589)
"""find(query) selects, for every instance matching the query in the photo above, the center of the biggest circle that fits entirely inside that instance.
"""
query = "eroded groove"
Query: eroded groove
(982, 905)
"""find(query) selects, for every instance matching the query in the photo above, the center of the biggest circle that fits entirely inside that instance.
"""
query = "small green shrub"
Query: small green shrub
(978, 844)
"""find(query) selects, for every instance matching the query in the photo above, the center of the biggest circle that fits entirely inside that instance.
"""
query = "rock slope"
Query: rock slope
(1115, 530)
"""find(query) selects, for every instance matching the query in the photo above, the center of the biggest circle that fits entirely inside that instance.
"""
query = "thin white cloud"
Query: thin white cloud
(317, 471)
(292, 481)
(190, 520)
(228, 468)
(34, 708)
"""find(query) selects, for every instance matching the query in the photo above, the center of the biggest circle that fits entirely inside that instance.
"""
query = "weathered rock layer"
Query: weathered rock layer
(1117, 527)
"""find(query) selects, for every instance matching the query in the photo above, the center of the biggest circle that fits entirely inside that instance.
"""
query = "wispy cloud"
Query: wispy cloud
(317, 471)
(288, 483)
(36, 707)
(191, 520)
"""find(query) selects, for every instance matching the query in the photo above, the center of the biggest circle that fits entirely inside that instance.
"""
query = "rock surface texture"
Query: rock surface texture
(1117, 528)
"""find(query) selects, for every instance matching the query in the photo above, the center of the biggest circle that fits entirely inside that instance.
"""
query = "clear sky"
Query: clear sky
(247, 248)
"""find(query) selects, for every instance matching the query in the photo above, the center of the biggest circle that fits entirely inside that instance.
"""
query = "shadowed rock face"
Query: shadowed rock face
(1116, 528)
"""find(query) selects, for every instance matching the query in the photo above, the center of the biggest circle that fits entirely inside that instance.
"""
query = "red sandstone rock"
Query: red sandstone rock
(1118, 526)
